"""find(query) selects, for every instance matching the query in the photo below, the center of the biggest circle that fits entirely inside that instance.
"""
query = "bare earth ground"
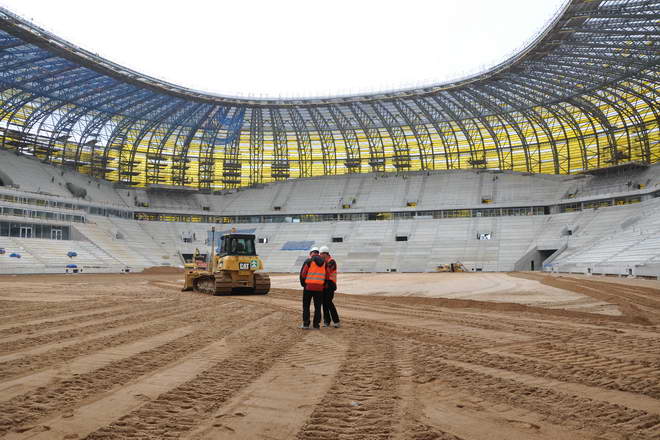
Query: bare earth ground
(528, 356)
(498, 287)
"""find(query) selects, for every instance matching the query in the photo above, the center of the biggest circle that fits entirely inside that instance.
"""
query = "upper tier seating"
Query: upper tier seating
(394, 192)
(33, 176)
(611, 238)
(342, 193)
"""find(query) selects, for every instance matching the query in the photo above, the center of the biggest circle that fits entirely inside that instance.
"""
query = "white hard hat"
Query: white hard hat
(324, 249)
(314, 249)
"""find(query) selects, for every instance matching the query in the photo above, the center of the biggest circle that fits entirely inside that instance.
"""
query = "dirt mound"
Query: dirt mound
(639, 304)
(162, 270)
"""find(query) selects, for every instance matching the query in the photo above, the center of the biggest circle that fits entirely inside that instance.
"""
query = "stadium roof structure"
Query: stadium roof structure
(582, 95)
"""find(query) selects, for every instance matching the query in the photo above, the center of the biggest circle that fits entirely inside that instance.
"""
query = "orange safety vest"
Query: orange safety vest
(315, 278)
(331, 273)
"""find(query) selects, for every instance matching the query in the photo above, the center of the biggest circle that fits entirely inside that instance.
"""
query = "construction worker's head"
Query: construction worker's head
(324, 250)
(313, 251)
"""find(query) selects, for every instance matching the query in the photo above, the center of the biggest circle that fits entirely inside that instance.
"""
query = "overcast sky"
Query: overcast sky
(292, 48)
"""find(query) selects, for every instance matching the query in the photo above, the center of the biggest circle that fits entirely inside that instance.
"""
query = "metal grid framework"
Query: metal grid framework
(583, 95)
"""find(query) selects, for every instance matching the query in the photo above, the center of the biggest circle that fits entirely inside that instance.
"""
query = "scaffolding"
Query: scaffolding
(581, 96)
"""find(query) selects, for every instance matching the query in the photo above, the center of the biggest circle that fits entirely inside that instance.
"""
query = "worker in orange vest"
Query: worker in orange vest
(330, 314)
(312, 279)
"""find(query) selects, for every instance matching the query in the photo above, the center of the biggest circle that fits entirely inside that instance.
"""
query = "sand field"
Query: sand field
(419, 356)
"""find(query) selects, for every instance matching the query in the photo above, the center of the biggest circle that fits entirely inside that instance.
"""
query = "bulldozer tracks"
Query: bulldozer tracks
(151, 362)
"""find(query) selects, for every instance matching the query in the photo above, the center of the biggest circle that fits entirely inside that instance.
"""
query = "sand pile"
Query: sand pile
(162, 270)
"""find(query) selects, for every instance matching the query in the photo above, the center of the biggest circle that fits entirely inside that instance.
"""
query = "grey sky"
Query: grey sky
(295, 47)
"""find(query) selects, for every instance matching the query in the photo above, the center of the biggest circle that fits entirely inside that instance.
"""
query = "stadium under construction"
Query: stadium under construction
(496, 245)
(545, 161)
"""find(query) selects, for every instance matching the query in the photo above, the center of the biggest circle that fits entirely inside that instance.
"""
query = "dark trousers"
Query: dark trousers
(308, 296)
(329, 309)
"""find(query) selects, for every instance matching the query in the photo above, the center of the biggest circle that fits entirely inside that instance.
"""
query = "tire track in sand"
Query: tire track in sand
(362, 401)
(594, 355)
(85, 364)
(43, 310)
(67, 393)
(613, 373)
(173, 413)
(449, 413)
(448, 381)
(374, 319)
(30, 328)
(562, 409)
(635, 376)
(623, 398)
(8, 328)
(83, 420)
(293, 386)
(22, 363)
(645, 349)
(621, 376)
(113, 320)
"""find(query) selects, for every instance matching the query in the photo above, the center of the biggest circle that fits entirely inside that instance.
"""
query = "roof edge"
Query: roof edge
(34, 34)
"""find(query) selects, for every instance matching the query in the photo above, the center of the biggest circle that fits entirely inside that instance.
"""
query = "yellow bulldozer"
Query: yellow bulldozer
(451, 267)
(230, 269)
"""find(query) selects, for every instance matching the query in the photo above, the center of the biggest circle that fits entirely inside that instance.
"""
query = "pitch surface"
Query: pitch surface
(129, 356)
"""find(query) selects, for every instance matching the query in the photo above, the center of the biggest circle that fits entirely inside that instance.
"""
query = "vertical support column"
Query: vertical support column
(401, 159)
(351, 144)
(328, 148)
(374, 139)
(256, 145)
(304, 142)
(444, 130)
(420, 131)
(280, 167)
(231, 165)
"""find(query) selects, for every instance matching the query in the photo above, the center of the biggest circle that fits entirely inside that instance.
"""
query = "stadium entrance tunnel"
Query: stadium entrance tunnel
(546, 255)
(535, 259)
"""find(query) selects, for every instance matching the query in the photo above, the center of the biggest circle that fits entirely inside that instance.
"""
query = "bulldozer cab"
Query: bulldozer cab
(237, 244)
